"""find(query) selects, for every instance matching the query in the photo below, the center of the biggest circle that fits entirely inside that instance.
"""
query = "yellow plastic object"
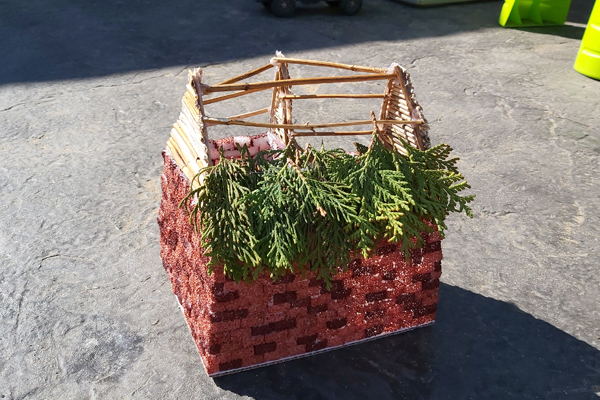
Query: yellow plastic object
(588, 59)
(534, 12)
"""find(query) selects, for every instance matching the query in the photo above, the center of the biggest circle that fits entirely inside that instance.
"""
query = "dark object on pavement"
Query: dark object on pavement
(286, 8)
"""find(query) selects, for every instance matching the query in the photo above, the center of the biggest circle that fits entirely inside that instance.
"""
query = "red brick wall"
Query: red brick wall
(242, 325)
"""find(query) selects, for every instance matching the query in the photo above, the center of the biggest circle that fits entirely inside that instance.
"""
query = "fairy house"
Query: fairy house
(244, 325)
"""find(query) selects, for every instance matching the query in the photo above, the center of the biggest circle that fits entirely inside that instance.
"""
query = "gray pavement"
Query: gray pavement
(88, 92)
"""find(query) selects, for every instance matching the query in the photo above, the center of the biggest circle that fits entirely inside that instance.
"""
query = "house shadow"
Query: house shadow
(81, 39)
(479, 348)
(74, 39)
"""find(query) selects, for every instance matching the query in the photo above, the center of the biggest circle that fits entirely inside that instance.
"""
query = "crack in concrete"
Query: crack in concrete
(567, 232)
(19, 305)
(141, 386)
(28, 394)
(412, 63)
(27, 180)
(13, 106)
(331, 37)
(70, 92)
(42, 101)
(46, 258)
(132, 82)
(536, 106)
(570, 120)
(497, 213)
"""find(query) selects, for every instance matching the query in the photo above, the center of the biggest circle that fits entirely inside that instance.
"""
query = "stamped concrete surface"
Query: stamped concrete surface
(88, 92)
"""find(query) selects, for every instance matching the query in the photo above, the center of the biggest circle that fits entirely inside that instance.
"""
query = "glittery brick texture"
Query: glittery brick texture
(239, 326)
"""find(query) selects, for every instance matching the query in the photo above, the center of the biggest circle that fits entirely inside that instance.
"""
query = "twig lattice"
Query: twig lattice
(400, 117)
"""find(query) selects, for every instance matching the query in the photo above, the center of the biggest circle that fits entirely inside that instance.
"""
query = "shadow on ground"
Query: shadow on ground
(479, 348)
(72, 39)
(566, 31)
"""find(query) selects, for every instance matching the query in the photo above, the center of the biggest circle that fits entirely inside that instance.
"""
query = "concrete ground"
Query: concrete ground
(88, 92)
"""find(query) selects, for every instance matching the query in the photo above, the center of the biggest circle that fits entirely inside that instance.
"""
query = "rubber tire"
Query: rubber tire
(333, 3)
(283, 8)
(351, 7)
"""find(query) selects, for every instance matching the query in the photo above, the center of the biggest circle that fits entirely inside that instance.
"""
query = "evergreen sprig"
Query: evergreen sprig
(226, 231)
(282, 210)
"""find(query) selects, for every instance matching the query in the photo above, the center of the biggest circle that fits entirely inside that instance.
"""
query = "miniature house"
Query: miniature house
(244, 325)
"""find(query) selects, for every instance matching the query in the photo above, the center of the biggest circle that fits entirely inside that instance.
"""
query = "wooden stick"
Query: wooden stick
(176, 152)
(399, 104)
(405, 132)
(188, 155)
(231, 96)
(397, 91)
(332, 96)
(246, 75)
(355, 68)
(190, 106)
(219, 121)
(401, 78)
(194, 119)
(339, 133)
(287, 104)
(398, 111)
(189, 148)
(191, 98)
(398, 96)
(194, 136)
(250, 114)
(195, 79)
(406, 136)
(275, 103)
(302, 81)
(386, 100)
(398, 107)
(193, 147)
(191, 91)
(396, 141)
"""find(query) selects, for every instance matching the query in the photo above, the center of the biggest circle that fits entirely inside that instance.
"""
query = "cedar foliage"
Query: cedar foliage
(285, 209)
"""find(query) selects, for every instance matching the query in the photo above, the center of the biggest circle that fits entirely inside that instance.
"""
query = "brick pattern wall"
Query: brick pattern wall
(242, 325)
